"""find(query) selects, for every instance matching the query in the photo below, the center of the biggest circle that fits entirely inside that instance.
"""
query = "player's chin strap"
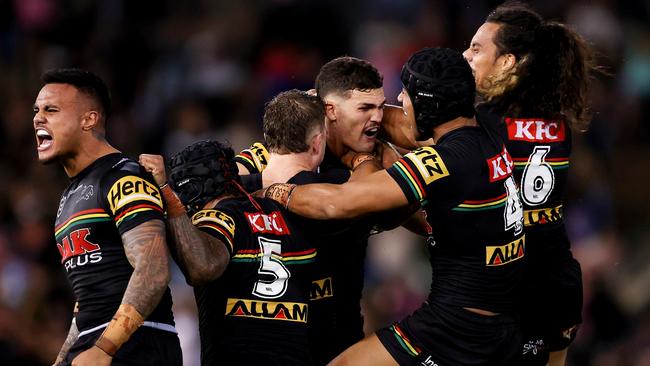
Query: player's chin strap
(250, 198)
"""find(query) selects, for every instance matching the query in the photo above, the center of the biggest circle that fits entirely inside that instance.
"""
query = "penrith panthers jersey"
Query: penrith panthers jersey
(465, 185)
(257, 311)
(540, 150)
(108, 198)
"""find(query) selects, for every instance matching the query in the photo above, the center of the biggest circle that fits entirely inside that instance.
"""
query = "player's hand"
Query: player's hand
(92, 356)
(154, 164)
(398, 128)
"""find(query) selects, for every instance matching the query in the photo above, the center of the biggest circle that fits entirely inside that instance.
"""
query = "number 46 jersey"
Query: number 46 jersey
(540, 149)
(257, 311)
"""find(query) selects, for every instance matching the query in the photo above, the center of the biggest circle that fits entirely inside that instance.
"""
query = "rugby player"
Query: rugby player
(535, 75)
(465, 184)
(352, 92)
(109, 231)
(249, 264)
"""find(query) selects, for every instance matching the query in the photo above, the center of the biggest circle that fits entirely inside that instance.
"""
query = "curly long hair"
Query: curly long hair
(553, 71)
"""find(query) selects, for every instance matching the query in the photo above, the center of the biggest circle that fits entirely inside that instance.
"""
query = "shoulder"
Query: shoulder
(125, 181)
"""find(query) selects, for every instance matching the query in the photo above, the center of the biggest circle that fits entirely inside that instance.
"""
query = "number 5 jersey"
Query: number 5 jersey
(257, 311)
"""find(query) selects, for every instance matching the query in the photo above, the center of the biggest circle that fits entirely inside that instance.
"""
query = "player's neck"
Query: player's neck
(283, 167)
(86, 153)
(454, 124)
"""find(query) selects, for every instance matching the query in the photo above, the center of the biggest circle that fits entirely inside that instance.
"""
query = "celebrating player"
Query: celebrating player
(109, 230)
(250, 265)
(465, 185)
(535, 74)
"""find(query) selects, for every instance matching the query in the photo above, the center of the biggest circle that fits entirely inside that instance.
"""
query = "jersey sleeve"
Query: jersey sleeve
(417, 171)
(217, 224)
(255, 158)
(433, 174)
(132, 197)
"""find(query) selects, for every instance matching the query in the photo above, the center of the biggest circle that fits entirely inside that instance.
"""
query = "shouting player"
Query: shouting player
(109, 230)
(535, 74)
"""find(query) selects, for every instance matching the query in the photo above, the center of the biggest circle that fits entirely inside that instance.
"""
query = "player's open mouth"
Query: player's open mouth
(371, 131)
(43, 139)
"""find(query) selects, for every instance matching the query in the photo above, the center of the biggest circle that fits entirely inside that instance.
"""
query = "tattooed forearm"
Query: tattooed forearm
(202, 257)
(73, 334)
(147, 252)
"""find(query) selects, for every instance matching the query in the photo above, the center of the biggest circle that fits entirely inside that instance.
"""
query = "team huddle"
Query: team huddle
(273, 239)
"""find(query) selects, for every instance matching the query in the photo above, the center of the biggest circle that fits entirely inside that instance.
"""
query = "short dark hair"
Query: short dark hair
(554, 67)
(289, 118)
(86, 82)
(347, 73)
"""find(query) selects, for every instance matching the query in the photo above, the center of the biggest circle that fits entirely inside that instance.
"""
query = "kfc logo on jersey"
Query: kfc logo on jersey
(500, 166)
(268, 224)
(76, 250)
(535, 130)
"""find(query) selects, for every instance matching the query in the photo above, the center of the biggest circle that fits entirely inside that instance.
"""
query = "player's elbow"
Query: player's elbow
(203, 273)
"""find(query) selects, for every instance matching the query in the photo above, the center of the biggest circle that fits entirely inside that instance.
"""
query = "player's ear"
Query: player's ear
(330, 111)
(507, 61)
(90, 120)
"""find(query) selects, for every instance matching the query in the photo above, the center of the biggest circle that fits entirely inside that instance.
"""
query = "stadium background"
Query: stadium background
(184, 71)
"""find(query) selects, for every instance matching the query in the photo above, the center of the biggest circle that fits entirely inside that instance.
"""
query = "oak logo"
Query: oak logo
(535, 130)
(217, 217)
(131, 188)
(321, 289)
(429, 164)
(268, 224)
(504, 254)
(286, 311)
(500, 166)
(76, 250)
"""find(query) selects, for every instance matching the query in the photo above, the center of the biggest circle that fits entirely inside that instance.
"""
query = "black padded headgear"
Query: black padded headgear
(202, 172)
(441, 86)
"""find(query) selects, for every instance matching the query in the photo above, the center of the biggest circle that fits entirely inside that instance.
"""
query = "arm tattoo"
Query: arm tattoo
(201, 257)
(147, 252)
(73, 334)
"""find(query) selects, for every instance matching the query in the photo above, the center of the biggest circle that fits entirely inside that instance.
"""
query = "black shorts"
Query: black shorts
(551, 302)
(438, 335)
(147, 346)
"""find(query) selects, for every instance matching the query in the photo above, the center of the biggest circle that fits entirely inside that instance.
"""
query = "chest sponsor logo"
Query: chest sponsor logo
(215, 216)
(76, 250)
(285, 311)
(131, 188)
(429, 164)
(321, 289)
(500, 166)
(267, 224)
(504, 254)
(535, 130)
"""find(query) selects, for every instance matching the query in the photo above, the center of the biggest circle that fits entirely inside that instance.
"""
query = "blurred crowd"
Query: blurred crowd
(185, 71)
